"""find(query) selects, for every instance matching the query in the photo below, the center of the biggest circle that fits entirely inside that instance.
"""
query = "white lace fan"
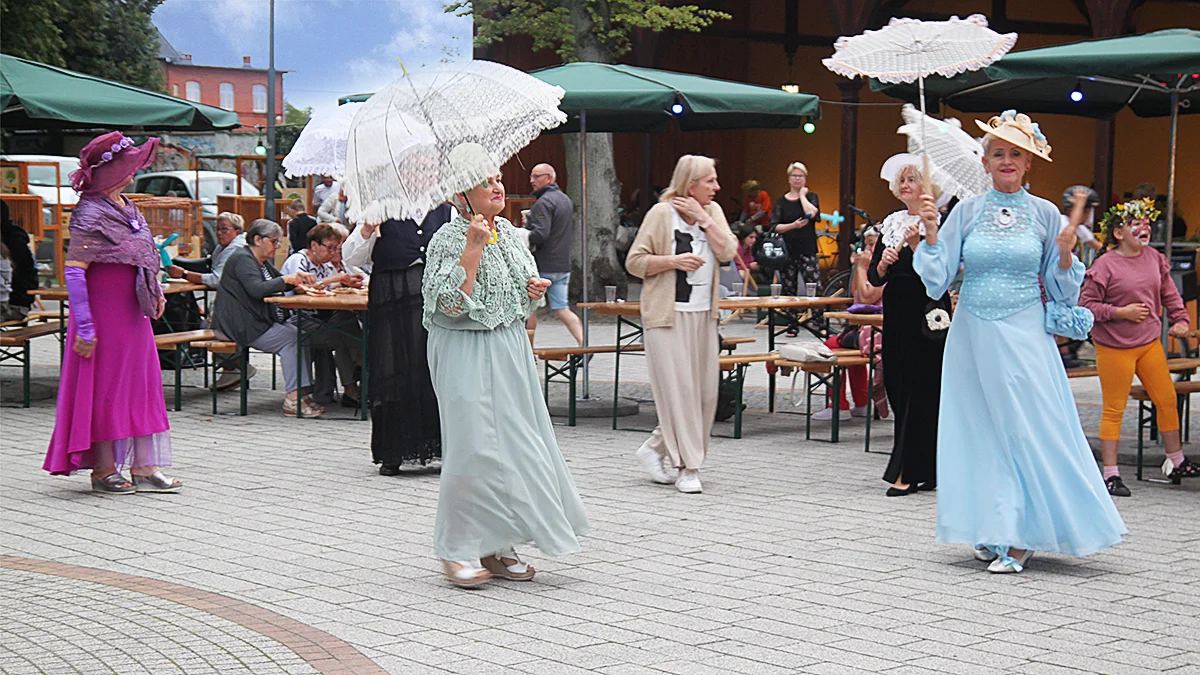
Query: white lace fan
(955, 152)
(440, 131)
(321, 148)
(909, 49)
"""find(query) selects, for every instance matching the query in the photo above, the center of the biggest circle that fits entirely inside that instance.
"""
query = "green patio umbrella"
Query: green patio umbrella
(37, 96)
(1155, 75)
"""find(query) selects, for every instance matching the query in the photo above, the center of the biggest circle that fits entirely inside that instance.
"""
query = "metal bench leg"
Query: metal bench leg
(572, 369)
(212, 357)
(740, 369)
(837, 406)
(178, 378)
(808, 387)
(244, 383)
(25, 374)
(1141, 432)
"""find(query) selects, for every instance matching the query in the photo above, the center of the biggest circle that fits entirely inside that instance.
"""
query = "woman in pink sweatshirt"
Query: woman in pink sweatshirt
(1126, 289)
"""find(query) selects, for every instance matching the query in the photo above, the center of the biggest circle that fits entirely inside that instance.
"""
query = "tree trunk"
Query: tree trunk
(603, 188)
(603, 195)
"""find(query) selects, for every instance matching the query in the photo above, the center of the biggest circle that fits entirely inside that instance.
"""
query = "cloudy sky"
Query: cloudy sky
(331, 47)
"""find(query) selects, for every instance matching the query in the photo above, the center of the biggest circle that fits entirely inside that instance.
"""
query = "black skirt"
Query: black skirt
(912, 374)
(405, 426)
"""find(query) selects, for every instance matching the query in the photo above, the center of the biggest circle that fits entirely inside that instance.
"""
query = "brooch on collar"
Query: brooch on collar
(1005, 217)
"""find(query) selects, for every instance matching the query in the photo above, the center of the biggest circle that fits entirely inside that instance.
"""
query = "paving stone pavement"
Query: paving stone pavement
(791, 561)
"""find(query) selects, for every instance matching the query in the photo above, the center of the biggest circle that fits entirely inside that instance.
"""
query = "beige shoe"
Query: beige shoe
(465, 574)
(506, 565)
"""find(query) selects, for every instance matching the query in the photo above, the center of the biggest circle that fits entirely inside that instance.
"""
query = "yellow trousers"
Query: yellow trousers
(1117, 368)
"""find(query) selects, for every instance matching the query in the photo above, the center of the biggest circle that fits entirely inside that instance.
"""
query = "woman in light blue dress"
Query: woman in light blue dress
(1015, 472)
(503, 479)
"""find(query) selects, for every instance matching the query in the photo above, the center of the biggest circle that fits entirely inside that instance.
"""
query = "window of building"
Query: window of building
(192, 90)
(260, 98)
(226, 96)
(175, 90)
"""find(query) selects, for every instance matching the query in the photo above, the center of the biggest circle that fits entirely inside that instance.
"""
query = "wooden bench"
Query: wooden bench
(180, 342)
(733, 371)
(729, 344)
(1148, 415)
(14, 346)
(571, 359)
(1179, 365)
(830, 375)
(222, 347)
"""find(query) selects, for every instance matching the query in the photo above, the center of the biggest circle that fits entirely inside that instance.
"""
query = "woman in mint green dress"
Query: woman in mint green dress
(503, 479)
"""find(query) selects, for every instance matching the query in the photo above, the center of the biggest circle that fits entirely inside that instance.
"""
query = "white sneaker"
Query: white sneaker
(827, 415)
(858, 411)
(688, 481)
(652, 462)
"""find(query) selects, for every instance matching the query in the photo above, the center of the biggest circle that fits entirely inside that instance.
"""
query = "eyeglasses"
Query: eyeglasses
(227, 228)
(274, 241)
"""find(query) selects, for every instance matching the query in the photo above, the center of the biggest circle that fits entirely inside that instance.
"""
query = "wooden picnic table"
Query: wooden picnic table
(59, 293)
(629, 314)
(351, 302)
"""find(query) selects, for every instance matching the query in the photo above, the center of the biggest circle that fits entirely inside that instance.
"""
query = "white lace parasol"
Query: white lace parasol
(437, 132)
(954, 151)
(910, 49)
(321, 148)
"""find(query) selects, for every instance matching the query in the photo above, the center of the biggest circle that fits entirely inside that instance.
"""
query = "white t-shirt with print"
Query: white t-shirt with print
(700, 280)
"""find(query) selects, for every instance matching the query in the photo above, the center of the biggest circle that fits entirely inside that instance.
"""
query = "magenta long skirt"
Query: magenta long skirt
(110, 408)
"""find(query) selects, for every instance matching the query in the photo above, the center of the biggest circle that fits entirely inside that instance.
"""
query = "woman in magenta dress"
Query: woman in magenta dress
(111, 414)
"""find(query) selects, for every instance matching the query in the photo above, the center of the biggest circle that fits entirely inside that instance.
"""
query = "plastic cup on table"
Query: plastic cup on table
(810, 289)
(737, 290)
(776, 289)
(610, 293)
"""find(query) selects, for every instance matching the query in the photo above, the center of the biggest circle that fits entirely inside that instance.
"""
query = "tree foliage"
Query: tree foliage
(113, 39)
(294, 120)
(589, 30)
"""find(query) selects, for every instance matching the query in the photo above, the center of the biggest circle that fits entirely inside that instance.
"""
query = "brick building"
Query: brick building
(242, 90)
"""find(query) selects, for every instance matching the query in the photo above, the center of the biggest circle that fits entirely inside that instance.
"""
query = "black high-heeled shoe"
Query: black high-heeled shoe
(900, 492)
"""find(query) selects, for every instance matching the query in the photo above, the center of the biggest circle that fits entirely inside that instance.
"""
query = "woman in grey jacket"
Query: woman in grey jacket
(241, 314)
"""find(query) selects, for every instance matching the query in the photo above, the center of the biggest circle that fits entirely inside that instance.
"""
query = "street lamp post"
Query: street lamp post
(269, 187)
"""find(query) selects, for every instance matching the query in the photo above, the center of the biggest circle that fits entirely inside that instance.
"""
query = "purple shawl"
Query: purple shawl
(102, 232)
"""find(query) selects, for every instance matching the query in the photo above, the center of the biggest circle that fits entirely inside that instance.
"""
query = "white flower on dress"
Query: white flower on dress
(937, 319)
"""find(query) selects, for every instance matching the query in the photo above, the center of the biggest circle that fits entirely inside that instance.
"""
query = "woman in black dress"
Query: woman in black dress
(795, 216)
(405, 426)
(914, 329)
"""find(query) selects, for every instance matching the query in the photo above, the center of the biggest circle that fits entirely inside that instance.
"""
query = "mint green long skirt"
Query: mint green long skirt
(504, 481)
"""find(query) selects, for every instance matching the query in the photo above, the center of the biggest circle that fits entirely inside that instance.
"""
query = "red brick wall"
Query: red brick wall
(242, 79)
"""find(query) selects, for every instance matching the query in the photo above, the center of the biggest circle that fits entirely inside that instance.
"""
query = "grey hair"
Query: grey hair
(232, 218)
(262, 228)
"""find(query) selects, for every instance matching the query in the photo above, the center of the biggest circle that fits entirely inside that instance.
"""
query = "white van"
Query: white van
(42, 181)
(183, 184)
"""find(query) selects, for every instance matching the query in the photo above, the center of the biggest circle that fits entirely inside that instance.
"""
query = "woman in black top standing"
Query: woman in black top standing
(405, 422)
(794, 216)
(914, 335)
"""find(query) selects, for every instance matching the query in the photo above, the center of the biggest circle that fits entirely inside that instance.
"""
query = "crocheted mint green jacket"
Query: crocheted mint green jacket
(499, 296)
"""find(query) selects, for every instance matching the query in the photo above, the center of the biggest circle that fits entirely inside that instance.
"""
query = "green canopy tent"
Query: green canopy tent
(1154, 74)
(37, 96)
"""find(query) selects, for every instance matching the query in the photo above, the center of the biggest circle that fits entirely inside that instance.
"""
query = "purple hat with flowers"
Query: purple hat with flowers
(109, 160)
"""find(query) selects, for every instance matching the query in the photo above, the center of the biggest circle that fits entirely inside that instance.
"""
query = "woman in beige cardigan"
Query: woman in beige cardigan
(678, 251)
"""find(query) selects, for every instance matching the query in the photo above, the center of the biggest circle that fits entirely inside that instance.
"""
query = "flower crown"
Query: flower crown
(1121, 214)
(1021, 121)
(108, 155)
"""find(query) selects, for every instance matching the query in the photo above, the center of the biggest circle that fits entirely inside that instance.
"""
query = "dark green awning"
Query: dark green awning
(37, 96)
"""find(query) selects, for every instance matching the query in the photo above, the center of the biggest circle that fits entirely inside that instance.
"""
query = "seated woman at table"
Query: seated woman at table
(241, 314)
(746, 265)
(343, 335)
(914, 340)
(503, 481)
(1015, 472)
(864, 293)
(677, 252)
(111, 414)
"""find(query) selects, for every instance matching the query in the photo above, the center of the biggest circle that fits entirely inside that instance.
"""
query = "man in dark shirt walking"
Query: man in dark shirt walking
(551, 225)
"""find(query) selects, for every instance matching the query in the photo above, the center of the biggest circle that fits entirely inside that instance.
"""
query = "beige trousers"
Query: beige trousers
(684, 365)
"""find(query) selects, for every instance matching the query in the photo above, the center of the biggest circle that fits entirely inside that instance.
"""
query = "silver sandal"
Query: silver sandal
(113, 483)
(156, 482)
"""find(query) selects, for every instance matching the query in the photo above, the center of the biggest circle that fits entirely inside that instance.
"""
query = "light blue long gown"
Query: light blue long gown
(503, 480)
(1014, 468)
